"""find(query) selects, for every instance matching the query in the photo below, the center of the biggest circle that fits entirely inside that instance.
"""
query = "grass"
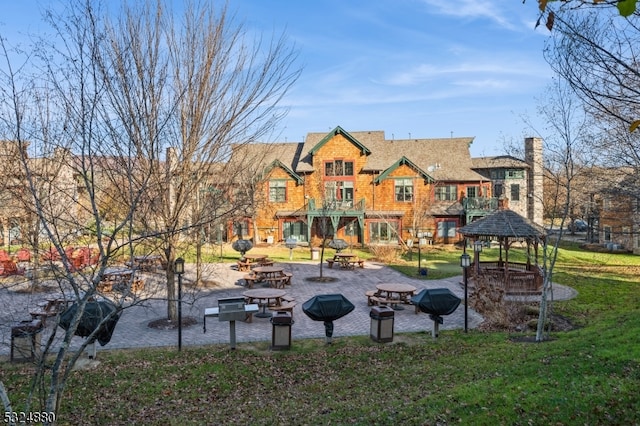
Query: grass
(590, 375)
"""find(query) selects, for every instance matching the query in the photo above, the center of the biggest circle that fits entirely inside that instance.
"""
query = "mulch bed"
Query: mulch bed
(167, 324)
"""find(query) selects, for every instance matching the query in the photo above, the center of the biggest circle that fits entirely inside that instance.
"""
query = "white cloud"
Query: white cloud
(471, 9)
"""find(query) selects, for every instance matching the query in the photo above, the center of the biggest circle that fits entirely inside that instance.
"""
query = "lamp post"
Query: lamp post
(419, 235)
(477, 249)
(465, 261)
(178, 268)
(220, 231)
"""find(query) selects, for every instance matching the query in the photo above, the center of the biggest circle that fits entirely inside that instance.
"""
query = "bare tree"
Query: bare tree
(215, 87)
(566, 160)
(131, 113)
(596, 53)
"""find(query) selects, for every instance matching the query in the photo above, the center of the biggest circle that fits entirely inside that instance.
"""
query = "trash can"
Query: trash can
(315, 253)
(382, 318)
(25, 340)
(281, 330)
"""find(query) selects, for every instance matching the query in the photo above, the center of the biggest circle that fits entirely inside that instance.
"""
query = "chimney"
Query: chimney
(503, 203)
(533, 157)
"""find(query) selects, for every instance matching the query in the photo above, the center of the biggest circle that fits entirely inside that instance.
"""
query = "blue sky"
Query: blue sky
(412, 68)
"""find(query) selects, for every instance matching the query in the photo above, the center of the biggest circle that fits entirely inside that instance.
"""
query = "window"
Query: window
(297, 230)
(607, 233)
(472, 191)
(383, 232)
(404, 189)
(277, 191)
(497, 190)
(338, 168)
(446, 229)
(446, 193)
(514, 174)
(339, 193)
(507, 174)
(515, 192)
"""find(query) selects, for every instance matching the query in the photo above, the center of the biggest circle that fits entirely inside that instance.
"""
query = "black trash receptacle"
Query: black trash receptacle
(25, 340)
(281, 323)
(382, 318)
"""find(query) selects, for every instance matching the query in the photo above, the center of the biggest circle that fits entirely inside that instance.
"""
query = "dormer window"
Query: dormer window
(338, 168)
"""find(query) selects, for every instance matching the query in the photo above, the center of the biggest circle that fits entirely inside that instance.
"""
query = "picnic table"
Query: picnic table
(394, 294)
(265, 297)
(147, 262)
(346, 261)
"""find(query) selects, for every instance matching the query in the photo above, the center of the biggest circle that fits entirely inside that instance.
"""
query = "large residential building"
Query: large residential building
(366, 189)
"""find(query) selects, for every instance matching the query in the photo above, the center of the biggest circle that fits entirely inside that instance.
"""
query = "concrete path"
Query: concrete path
(132, 330)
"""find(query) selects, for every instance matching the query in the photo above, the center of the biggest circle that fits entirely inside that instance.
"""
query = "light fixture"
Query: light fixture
(465, 260)
(178, 268)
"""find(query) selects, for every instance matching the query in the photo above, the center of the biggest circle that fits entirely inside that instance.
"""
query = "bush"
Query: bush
(384, 253)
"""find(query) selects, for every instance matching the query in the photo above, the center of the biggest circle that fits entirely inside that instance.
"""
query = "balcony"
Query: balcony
(479, 206)
(343, 206)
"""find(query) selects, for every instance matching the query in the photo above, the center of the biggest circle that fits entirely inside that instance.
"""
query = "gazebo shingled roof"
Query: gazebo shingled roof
(503, 224)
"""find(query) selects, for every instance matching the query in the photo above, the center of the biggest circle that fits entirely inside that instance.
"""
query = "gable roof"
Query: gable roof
(402, 161)
(339, 131)
(441, 159)
(278, 163)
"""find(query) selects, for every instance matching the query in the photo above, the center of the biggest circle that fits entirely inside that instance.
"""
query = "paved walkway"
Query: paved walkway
(133, 331)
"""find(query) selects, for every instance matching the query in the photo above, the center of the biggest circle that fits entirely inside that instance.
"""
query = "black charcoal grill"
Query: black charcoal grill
(101, 316)
(436, 302)
(327, 308)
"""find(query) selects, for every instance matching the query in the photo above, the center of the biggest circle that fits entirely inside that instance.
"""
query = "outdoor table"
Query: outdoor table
(345, 259)
(264, 272)
(147, 262)
(396, 291)
(265, 297)
(255, 257)
(115, 276)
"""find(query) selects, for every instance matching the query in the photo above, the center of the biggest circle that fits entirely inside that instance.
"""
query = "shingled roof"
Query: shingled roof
(443, 159)
(501, 224)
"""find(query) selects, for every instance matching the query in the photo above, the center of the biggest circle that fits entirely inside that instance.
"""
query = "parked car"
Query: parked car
(578, 225)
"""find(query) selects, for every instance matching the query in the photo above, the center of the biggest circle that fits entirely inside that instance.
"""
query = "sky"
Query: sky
(411, 68)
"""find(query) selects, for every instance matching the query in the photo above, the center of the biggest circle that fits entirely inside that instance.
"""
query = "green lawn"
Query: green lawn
(587, 376)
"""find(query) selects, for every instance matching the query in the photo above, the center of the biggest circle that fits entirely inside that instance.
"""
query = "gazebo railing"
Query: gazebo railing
(518, 278)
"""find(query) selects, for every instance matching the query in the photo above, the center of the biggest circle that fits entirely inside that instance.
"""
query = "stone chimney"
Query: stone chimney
(535, 188)
(503, 203)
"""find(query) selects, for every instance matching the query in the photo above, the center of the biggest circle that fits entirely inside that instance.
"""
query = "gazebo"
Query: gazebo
(507, 227)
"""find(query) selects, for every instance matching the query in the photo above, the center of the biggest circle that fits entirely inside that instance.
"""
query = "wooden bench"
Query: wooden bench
(288, 298)
(371, 294)
(266, 262)
(376, 300)
(277, 282)
(249, 280)
(360, 263)
(284, 307)
(288, 276)
(244, 266)
(330, 262)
